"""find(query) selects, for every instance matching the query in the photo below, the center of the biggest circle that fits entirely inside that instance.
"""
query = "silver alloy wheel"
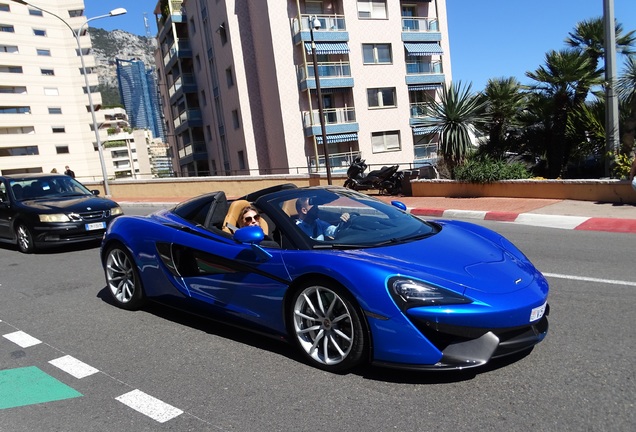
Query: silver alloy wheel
(120, 275)
(323, 325)
(25, 241)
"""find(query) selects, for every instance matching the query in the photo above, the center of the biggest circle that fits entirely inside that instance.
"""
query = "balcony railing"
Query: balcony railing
(339, 162)
(182, 45)
(187, 115)
(325, 69)
(184, 79)
(327, 23)
(422, 68)
(425, 151)
(417, 110)
(332, 116)
(419, 24)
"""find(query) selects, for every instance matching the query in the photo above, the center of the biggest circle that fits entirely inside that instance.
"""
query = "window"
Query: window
(372, 9)
(48, 72)
(10, 69)
(229, 77)
(7, 28)
(241, 159)
(18, 151)
(58, 129)
(235, 119)
(51, 91)
(35, 12)
(193, 28)
(9, 49)
(55, 110)
(385, 141)
(74, 13)
(204, 99)
(198, 61)
(377, 54)
(43, 52)
(15, 110)
(39, 32)
(13, 89)
(4, 8)
(61, 149)
(223, 33)
(17, 130)
(381, 97)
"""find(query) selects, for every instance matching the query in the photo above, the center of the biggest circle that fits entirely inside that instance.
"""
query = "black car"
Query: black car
(39, 210)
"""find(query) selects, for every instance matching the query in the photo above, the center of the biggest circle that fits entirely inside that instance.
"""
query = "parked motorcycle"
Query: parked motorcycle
(387, 180)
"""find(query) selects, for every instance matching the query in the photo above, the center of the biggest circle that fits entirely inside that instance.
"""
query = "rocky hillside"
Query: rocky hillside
(109, 45)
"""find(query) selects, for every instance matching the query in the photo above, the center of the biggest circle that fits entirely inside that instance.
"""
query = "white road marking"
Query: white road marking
(589, 279)
(73, 366)
(22, 339)
(149, 406)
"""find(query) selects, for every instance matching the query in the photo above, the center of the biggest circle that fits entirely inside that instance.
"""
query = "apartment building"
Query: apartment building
(45, 120)
(240, 86)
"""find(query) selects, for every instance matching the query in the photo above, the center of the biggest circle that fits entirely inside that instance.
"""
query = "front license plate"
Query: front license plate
(537, 312)
(95, 226)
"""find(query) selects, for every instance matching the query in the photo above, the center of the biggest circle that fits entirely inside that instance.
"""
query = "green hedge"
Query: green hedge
(486, 170)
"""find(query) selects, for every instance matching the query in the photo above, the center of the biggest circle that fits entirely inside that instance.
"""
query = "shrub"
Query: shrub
(486, 170)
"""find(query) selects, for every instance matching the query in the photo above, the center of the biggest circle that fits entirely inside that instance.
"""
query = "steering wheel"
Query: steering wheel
(346, 225)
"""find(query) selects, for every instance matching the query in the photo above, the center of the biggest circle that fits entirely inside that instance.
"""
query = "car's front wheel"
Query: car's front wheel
(24, 238)
(122, 277)
(327, 327)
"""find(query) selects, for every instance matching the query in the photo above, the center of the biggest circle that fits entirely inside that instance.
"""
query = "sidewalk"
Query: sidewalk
(554, 213)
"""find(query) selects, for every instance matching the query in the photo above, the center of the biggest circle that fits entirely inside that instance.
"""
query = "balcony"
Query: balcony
(184, 84)
(422, 72)
(179, 50)
(333, 28)
(186, 119)
(332, 75)
(337, 120)
(420, 29)
(425, 152)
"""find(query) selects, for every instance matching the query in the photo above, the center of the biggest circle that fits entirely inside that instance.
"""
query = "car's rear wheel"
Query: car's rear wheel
(122, 277)
(327, 327)
(24, 238)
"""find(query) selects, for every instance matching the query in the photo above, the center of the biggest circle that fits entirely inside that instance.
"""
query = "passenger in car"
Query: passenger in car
(249, 217)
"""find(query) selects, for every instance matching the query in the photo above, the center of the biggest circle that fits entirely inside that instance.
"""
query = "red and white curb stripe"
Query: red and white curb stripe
(135, 399)
(582, 223)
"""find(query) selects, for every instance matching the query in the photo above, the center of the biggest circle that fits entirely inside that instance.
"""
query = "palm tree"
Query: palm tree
(564, 73)
(455, 117)
(627, 94)
(505, 101)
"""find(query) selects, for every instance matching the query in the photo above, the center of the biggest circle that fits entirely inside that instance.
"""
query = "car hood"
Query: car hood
(463, 255)
(67, 204)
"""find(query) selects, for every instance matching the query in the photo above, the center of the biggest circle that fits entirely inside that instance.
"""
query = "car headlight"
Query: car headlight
(116, 211)
(409, 293)
(58, 217)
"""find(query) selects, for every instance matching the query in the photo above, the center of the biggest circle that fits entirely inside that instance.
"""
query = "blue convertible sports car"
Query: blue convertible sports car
(346, 278)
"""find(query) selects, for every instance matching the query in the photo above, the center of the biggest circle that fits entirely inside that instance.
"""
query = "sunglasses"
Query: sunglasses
(248, 219)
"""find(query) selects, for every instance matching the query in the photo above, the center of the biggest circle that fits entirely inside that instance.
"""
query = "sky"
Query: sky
(488, 38)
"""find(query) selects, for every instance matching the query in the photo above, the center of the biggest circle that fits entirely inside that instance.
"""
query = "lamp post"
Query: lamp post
(314, 23)
(77, 34)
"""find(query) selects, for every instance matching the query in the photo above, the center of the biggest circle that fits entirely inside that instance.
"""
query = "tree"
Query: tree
(505, 99)
(455, 117)
(564, 73)
(627, 95)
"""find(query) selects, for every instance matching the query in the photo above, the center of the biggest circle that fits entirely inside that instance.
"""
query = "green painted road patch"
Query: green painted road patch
(30, 385)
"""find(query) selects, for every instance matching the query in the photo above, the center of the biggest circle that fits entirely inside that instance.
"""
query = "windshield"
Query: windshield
(343, 218)
(47, 187)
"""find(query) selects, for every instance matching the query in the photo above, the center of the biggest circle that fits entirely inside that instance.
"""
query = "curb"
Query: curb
(581, 223)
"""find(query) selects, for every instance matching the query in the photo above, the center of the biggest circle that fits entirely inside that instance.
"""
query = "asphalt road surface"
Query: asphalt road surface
(71, 361)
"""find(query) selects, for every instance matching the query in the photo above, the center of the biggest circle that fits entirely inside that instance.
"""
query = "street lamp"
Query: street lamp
(314, 23)
(77, 34)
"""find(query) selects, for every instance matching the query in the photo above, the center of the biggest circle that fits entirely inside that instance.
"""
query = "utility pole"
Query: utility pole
(612, 142)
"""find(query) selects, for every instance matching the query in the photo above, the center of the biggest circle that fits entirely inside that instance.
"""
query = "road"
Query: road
(209, 377)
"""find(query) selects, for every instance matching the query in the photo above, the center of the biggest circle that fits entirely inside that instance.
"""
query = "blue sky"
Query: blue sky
(488, 39)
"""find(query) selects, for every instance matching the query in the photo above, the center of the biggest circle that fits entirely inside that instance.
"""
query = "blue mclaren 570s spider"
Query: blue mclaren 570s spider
(343, 276)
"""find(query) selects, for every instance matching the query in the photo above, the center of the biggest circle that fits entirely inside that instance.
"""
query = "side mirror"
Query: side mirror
(95, 192)
(399, 204)
(253, 235)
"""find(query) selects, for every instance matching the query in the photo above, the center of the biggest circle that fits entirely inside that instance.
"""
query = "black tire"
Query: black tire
(24, 239)
(122, 278)
(349, 184)
(334, 345)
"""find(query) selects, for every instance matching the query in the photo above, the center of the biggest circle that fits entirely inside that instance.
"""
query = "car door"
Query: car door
(241, 280)
(6, 211)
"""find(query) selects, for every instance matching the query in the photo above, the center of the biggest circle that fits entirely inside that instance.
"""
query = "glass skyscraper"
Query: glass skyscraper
(139, 94)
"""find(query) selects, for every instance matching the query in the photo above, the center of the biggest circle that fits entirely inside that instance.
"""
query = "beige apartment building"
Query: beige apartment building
(45, 120)
(240, 90)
